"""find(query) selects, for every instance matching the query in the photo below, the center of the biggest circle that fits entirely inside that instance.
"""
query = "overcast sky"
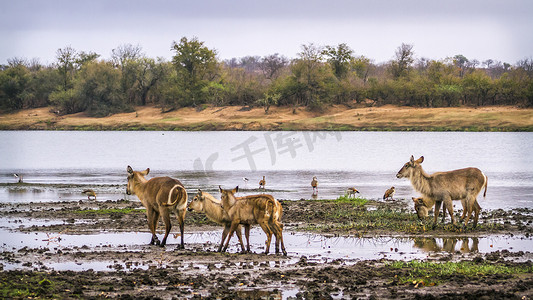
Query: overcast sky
(478, 29)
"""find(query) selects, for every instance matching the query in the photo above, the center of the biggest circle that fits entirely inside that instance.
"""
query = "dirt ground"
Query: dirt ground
(144, 271)
(338, 117)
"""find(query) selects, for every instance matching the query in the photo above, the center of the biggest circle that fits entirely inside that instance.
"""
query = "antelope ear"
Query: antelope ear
(129, 169)
(236, 189)
(412, 160)
(220, 188)
(420, 160)
(200, 192)
(145, 172)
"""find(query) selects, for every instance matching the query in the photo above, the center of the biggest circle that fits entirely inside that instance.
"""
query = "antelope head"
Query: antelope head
(420, 208)
(134, 178)
(228, 196)
(197, 203)
(409, 167)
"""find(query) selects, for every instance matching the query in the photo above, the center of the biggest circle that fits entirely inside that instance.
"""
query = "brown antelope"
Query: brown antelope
(205, 203)
(314, 184)
(352, 191)
(463, 184)
(262, 183)
(254, 209)
(389, 193)
(160, 196)
(423, 205)
(89, 193)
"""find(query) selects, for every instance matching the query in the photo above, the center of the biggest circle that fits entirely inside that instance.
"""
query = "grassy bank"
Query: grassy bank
(339, 117)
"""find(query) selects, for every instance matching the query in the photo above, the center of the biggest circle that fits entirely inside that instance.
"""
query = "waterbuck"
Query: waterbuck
(160, 196)
(254, 209)
(423, 205)
(212, 207)
(463, 184)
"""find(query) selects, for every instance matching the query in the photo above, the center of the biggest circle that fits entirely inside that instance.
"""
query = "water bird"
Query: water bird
(314, 184)
(352, 191)
(19, 177)
(89, 193)
(262, 183)
(389, 193)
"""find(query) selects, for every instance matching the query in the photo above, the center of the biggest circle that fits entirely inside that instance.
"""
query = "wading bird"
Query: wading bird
(389, 193)
(19, 177)
(262, 183)
(89, 193)
(352, 191)
(314, 184)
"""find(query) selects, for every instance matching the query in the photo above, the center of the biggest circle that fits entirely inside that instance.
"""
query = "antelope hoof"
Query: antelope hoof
(284, 252)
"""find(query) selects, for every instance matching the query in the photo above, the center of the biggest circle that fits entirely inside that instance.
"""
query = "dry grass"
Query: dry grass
(339, 117)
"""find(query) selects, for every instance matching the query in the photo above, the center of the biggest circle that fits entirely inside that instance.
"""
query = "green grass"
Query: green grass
(347, 199)
(433, 273)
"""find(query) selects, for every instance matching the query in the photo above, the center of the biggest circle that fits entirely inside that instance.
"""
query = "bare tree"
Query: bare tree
(271, 65)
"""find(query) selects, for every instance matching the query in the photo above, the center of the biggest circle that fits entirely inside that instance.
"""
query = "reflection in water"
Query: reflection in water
(448, 244)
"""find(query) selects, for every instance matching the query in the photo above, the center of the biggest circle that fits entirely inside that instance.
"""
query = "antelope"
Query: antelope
(314, 184)
(389, 193)
(262, 183)
(352, 191)
(89, 193)
(212, 208)
(463, 184)
(254, 209)
(423, 205)
(160, 196)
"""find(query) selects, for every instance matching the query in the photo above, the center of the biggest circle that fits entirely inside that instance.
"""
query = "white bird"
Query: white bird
(19, 177)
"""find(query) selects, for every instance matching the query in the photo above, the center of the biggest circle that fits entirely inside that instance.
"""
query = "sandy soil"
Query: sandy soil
(199, 272)
(339, 117)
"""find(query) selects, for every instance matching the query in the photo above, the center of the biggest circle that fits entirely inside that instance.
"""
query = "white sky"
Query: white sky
(477, 29)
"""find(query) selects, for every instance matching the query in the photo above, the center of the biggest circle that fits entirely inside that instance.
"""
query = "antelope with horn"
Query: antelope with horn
(160, 196)
(444, 187)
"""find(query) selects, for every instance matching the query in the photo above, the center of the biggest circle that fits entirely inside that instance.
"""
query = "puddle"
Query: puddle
(317, 248)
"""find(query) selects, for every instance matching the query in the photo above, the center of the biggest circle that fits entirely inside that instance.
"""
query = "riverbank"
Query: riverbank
(338, 117)
(46, 264)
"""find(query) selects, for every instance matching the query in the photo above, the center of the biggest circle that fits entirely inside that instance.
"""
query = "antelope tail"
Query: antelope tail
(485, 184)
(270, 210)
(169, 201)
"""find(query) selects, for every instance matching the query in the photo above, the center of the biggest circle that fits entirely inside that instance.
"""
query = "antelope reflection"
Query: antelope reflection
(450, 245)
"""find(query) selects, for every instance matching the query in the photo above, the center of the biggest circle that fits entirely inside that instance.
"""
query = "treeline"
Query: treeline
(80, 81)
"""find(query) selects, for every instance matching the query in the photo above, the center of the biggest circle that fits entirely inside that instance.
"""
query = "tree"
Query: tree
(196, 65)
(339, 59)
(13, 82)
(271, 65)
(404, 60)
(66, 60)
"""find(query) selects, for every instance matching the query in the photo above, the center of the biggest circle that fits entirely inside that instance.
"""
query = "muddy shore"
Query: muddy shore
(140, 271)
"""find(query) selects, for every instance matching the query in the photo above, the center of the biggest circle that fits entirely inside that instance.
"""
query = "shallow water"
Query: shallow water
(59, 165)
(316, 247)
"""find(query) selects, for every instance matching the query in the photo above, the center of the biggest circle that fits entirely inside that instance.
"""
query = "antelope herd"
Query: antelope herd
(162, 195)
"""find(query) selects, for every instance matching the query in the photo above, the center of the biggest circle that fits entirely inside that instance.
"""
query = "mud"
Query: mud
(38, 261)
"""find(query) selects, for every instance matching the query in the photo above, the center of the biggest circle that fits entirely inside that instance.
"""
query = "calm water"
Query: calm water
(365, 160)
